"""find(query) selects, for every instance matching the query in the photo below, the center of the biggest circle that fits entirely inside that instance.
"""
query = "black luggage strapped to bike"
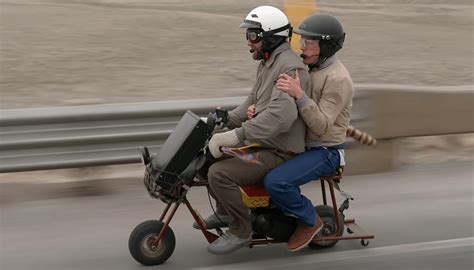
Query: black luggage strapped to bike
(177, 162)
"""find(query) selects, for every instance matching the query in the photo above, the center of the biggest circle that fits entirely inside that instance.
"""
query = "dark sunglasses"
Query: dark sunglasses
(253, 35)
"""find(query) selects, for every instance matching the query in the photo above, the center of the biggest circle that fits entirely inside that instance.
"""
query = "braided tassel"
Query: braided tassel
(360, 136)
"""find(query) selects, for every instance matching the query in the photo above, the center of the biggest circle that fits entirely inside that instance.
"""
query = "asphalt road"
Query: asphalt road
(422, 217)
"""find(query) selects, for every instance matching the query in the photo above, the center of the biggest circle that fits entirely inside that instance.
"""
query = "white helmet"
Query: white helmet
(269, 19)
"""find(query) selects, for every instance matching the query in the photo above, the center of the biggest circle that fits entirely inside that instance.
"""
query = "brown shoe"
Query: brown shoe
(304, 234)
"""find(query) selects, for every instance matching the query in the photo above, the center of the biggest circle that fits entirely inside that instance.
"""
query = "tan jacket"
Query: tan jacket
(327, 113)
(277, 123)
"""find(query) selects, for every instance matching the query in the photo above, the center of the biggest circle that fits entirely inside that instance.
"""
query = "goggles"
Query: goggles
(306, 42)
(254, 35)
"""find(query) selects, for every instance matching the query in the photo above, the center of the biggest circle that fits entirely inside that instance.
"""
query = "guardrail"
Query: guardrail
(96, 135)
(93, 135)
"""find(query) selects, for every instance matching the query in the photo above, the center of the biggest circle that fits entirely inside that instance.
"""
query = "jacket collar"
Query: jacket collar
(283, 47)
(331, 60)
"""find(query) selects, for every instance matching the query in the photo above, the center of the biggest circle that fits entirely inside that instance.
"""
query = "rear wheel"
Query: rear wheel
(140, 243)
(326, 213)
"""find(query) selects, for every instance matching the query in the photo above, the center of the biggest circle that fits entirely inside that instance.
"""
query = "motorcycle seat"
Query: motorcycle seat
(255, 196)
(336, 176)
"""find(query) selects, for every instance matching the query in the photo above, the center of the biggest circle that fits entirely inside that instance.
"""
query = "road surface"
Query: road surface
(422, 217)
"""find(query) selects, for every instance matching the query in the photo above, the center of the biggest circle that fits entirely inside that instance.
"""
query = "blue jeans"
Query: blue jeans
(282, 183)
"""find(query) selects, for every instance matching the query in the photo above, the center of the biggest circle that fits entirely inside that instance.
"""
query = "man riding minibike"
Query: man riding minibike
(277, 128)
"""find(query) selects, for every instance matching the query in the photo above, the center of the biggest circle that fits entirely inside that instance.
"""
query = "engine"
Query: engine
(274, 224)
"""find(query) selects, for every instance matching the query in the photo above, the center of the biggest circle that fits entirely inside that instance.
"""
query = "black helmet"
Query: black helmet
(327, 29)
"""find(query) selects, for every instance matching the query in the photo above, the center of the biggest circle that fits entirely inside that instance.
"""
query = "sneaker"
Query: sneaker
(227, 243)
(304, 234)
(214, 221)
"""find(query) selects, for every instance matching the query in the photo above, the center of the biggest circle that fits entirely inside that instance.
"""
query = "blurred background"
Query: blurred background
(70, 52)
(85, 52)
(81, 52)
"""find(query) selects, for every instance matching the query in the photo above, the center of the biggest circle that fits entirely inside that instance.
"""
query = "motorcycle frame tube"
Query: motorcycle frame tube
(358, 233)
(210, 237)
(167, 222)
(165, 211)
(263, 242)
(333, 199)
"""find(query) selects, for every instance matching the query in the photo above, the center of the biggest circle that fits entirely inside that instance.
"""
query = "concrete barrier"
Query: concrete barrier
(394, 112)
(406, 111)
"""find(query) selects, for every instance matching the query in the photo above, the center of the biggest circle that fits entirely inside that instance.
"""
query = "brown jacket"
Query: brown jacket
(327, 112)
(277, 123)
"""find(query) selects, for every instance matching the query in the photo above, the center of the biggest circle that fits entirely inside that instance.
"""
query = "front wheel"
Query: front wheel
(326, 213)
(140, 243)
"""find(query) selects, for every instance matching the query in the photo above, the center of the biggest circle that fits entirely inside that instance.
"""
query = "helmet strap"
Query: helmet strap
(327, 49)
(283, 28)
(318, 63)
(270, 44)
(270, 41)
(290, 33)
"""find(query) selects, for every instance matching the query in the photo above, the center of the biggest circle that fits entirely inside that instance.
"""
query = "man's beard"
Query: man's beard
(256, 54)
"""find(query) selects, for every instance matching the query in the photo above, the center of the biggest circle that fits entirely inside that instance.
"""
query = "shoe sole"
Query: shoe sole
(235, 248)
(211, 228)
(307, 242)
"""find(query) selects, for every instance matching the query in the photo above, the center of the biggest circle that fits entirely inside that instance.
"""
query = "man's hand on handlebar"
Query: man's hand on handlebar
(228, 139)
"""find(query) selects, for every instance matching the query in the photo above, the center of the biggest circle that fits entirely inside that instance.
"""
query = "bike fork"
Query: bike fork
(167, 222)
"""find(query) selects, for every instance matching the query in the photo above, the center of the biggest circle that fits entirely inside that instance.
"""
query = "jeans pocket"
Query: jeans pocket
(333, 157)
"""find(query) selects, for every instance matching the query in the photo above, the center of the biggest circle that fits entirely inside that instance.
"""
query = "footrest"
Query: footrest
(355, 231)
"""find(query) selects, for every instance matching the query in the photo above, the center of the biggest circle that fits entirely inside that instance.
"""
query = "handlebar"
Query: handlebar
(217, 118)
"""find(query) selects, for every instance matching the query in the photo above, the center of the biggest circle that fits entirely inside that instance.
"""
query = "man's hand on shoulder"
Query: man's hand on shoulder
(290, 85)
